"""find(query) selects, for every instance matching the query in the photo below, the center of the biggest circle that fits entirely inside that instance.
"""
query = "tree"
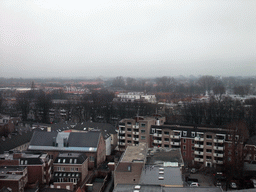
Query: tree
(23, 104)
(43, 103)
(207, 82)
(118, 82)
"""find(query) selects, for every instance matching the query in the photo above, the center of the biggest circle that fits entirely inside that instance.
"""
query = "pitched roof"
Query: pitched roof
(43, 138)
(62, 141)
(15, 141)
(87, 139)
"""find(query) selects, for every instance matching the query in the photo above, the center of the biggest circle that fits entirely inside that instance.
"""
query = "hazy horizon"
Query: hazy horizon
(64, 39)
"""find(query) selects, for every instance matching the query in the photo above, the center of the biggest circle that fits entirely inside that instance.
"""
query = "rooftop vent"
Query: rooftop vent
(137, 187)
(161, 178)
(161, 169)
(161, 172)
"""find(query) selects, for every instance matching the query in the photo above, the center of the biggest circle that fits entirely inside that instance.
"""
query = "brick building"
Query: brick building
(70, 170)
(38, 166)
(129, 168)
(90, 143)
(13, 177)
(134, 131)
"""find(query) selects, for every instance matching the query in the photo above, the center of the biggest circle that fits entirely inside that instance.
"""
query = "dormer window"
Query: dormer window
(64, 160)
(75, 161)
(70, 161)
(58, 160)
(184, 133)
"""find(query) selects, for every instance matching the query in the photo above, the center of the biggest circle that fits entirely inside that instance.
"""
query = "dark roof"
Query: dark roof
(65, 141)
(15, 141)
(67, 156)
(159, 156)
(87, 139)
(252, 140)
(43, 138)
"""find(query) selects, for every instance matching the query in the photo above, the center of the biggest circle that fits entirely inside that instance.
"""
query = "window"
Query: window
(58, 160)
(75, 161)
(142, 130)
(184, 146)
(59, 168)
(166, 132)
(208, 150)
(229, 158)
(129, 135)
(64, 160)
(129, 141)
(129, 168)
(193, 134)
(208, 157)
(184, 153)
(63, 168)
(129, 129)
(184, 140)
(193, 148)
(70, 161)
(91, 159)
(166, 139)
(143, 125)
(128, 123)
(21, 162)
(193, 141)
(166, 146)
(209, 143)
(209, 136)
(184, 133)
(229, 152)
(143, 137)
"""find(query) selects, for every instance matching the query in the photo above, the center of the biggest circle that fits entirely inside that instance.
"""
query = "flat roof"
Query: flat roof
(135, 153)
(159, 188)
(159, 175)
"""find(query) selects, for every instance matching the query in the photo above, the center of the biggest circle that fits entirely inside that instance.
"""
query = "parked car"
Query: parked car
(233, 185)
(254, 182)
(194, 184)
(191, 180)
(193, 170)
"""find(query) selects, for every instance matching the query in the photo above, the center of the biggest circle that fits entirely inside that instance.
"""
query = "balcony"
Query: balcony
(120, 137)
(218, 140)
(175, 136)
(135, 133)
(218, 155)
(135, 126)
(121, 143)
(121, 132)
(199, 160)
(157, 135)
(218, 162)
(175, 143)
(199, 139)
(218, 148)
(199, 146)
(135, 139)
(198, 152)
(157, 141)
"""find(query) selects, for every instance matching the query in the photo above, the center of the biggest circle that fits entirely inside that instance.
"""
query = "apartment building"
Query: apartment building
(129, 168)
(201, 146)
(38, 165)
(70, 169)
(136, 130)
(14, 178)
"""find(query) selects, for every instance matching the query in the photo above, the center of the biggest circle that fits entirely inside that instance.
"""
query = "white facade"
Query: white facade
(133, 96)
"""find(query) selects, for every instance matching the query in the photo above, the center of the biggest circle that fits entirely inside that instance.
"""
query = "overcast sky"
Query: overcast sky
(135, 38)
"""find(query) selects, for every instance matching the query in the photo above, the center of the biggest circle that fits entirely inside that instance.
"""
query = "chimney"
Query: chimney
(17, 155)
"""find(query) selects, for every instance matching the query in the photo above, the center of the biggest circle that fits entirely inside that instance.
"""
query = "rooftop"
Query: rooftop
(135, 153)
(158, 175)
